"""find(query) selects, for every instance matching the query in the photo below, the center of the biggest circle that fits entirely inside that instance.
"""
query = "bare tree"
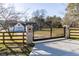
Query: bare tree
(38, 17)
(72, 14)
(9, 15)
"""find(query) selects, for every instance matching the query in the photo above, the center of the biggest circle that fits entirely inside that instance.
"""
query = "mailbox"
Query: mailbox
(29, 28)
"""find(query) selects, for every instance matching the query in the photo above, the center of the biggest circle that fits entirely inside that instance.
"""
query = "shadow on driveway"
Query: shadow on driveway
(43, 50)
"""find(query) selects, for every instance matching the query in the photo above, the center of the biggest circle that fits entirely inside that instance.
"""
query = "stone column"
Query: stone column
(29, 34)
(66, 31)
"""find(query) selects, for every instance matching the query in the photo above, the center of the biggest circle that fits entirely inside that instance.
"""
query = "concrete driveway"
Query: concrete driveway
(66, 47)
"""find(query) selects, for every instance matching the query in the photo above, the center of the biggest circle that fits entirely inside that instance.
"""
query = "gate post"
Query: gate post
(66, 31)
(29, 34)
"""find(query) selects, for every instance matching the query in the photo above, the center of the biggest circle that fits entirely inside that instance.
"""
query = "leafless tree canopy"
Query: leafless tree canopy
(10, 15)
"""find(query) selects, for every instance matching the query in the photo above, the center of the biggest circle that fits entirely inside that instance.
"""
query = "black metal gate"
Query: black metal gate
(44, 33)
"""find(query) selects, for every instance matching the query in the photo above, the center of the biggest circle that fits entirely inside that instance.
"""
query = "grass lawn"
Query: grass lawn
(46, 33)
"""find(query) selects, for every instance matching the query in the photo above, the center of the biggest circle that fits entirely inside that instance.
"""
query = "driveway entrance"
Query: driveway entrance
(56, 48)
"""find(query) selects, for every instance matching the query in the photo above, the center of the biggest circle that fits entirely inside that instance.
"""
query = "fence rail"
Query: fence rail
(74, 33)
(13, 37)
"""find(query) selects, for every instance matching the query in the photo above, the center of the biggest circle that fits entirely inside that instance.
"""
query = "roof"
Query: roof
(23, 23)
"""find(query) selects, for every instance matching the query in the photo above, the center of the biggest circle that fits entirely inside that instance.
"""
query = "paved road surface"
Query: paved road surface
(66, 47)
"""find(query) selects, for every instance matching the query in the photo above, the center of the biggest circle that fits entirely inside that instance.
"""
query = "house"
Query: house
(20, 26)
(17, 28)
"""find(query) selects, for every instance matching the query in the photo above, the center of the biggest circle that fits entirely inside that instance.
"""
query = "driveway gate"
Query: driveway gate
(44, 33)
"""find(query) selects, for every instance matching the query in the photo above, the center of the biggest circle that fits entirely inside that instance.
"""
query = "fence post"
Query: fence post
(23, 38)
(69, 32)
(3, 39)
(51, 32)
(66, 31)
(33, 33)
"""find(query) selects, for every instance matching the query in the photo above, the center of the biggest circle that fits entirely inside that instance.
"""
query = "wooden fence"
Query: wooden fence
(74, 33)
(13, 37)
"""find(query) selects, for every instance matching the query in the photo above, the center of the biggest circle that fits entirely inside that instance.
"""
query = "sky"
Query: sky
(52, 9)
(58, 9)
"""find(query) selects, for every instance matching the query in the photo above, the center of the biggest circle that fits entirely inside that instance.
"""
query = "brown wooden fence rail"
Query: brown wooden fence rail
(13, 37)
(74, 33)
